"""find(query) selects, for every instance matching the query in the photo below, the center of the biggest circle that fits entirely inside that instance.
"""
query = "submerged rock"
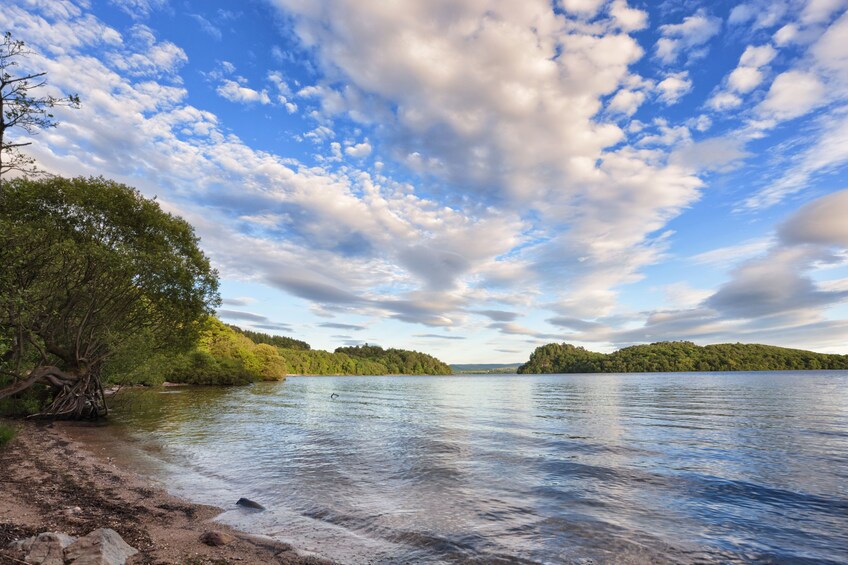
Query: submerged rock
(101, 547)
(47, 548)
(216, 539)
(247, 503)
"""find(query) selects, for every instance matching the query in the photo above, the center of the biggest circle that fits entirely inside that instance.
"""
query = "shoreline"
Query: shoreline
(54, 479)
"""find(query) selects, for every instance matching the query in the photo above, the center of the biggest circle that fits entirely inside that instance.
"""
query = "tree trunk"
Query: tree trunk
(74, 397)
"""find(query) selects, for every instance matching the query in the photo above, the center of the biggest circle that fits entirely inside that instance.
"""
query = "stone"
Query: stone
(215, 538)
(101, 547)
(47, 548)
(247, 503)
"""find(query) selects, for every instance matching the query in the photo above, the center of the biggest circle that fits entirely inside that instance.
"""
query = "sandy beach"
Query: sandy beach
(54, 477)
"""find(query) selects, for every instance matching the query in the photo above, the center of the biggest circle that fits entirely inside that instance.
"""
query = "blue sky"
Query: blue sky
(473, 178)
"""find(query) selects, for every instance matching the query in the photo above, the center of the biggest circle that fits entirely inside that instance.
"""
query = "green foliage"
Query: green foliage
(398, 361)
(24, 404)
(7, 434)
(275, 340)
(226, 357)
(317, 362)
(678, 356)
(93, 270)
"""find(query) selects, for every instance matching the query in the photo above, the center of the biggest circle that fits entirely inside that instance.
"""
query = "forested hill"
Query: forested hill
(398, 361)
(680, 356)
(275, 340)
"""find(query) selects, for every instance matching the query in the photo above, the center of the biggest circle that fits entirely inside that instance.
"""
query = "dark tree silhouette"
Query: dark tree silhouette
(20, 108)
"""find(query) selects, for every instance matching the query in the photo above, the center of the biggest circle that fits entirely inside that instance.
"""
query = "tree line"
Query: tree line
(678, 356)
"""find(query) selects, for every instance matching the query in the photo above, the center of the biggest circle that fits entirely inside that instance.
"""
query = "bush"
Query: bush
(7, 433)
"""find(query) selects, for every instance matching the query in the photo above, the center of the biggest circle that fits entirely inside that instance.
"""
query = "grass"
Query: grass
(6, 434)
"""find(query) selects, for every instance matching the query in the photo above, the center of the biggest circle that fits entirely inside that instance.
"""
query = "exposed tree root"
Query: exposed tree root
(74, 397)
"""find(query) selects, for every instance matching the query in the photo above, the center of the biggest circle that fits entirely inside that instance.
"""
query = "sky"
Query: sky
(474, 178)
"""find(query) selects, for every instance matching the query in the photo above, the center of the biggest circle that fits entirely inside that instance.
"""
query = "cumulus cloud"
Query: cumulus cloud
(724, 101)
(689, 36)
(460, 91)
(627, 18)
(359, 150)
(674, 86)
(235, 92)
(759, 13)
(150, 58)
(744, 78)
(792, 94)
(817, 11)
(626, 101)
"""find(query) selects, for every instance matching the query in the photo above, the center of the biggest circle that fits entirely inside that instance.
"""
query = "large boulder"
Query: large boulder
(47, 548)
(101, 547)
(247, 503)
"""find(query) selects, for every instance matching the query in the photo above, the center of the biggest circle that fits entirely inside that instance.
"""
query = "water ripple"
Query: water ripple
(672, 468)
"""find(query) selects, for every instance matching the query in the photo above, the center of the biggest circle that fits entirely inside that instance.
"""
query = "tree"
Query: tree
(20, 109)
(91, 267)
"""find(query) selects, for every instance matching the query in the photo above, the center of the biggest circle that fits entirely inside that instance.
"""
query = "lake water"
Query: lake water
(679, 468)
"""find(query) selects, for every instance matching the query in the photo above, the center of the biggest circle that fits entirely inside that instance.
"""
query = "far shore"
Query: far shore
(58, 477)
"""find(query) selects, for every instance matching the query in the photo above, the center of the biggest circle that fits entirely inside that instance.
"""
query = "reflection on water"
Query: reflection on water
(683, 468)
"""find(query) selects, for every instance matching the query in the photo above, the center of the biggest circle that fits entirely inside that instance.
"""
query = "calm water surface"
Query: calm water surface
(682, 468)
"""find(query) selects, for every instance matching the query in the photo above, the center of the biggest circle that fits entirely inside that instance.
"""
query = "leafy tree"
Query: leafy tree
(91, 269)
(19, 108)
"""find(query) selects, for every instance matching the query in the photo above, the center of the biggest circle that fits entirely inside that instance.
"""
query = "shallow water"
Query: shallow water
(683, 468)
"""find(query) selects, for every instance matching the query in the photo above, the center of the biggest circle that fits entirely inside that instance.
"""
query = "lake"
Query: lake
(630, 468)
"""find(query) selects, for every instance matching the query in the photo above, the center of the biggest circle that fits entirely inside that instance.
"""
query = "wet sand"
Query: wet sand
(62, 477)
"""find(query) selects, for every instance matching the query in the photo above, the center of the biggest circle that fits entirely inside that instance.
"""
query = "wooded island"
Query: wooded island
(678, 356)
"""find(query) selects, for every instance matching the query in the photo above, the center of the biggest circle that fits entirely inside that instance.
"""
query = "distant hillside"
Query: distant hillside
(485, 368)
(673, 356)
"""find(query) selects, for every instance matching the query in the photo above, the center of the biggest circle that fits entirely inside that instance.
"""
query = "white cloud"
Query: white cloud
(149, 58)
(821, 222)
(792, 94)
(627, 18)
(722, 101)
(786, 35)
(757, 56)
(828, 152)
(139, 9)
(674, 86)
(583, 7)
(730, 255)
(818, 11)
(502, 100)
(694, 31)
(830, 52)
(235, 92)
(744, 79)
(360, 150)
(763, 13)
(626, 101)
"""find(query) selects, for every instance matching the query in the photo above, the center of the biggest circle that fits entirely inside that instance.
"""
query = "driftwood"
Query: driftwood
(73, 396)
